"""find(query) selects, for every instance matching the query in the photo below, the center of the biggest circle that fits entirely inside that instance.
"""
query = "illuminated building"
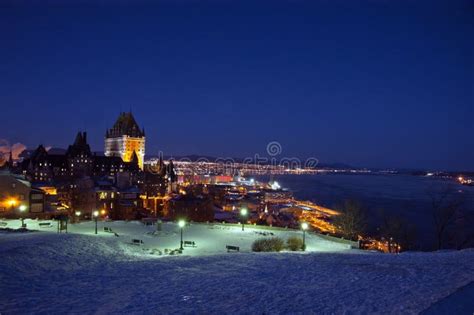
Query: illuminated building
(125, 139)
(78, 161)
(17, 197)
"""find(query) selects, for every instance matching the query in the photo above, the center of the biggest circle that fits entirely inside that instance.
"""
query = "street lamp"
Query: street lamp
(22, 209)
(243, 213)
(96, 216)
(181, 224)
(78, 215)
(304, 227)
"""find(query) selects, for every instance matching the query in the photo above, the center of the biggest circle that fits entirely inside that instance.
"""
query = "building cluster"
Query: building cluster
(118, 184)
(78, 181)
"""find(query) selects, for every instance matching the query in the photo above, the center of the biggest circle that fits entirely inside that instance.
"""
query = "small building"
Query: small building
(18, 198)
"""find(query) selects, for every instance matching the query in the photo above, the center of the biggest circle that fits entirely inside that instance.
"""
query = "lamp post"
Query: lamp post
(22, 209)
(243, 213)
(78, 215)
(181, 224)
(96, 216)
(304, 227)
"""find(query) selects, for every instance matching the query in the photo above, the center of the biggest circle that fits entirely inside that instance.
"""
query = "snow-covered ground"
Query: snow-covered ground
(209, 238)
(80, 272)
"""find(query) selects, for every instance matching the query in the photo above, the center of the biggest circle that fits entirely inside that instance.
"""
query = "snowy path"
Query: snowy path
(47, 273)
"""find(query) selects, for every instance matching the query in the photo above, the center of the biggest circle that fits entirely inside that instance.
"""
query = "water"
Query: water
(403, 195)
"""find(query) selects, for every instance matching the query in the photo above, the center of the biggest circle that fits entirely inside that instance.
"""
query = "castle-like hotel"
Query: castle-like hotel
(124, 152)
(125, 139)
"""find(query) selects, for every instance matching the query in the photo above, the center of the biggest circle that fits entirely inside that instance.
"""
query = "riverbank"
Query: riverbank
(404, 196)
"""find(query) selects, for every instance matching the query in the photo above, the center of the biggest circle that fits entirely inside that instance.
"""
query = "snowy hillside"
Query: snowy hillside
(85, 273)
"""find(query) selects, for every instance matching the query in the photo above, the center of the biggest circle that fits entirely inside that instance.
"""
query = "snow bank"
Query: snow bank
(79, 273)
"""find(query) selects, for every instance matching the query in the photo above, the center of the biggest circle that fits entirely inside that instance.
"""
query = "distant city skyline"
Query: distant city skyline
(388, 85)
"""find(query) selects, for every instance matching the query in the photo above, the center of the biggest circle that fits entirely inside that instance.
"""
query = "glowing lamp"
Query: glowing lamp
(304, 226)
(78, 213)
(22, 208)
(181, 223)
(244, 212)
(95, 213)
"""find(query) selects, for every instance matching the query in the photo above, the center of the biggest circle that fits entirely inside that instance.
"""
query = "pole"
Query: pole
(95, 225)
(304, 240)
(243, 223)
(181, 246)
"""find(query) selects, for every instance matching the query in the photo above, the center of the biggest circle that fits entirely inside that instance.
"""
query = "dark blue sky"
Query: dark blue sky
(379, 84)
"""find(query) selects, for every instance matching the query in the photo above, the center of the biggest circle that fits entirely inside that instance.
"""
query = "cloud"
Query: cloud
(16, 149)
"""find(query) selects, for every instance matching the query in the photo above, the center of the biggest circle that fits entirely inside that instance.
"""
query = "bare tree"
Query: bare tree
(398, 229)
(352, 220)
(445, 208)
(462, 235)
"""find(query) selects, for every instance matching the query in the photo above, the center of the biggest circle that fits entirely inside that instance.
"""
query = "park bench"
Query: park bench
(45, 224)
(189, 244)
(265, 233)
(108, 230)
(232, 248)
(137, 241)
(3, 223)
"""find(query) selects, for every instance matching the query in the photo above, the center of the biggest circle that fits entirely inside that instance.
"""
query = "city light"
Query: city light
(78, 213)
(22, 208)
(181, 223)
(275, 186)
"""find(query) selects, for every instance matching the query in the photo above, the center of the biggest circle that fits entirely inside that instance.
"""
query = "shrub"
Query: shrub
(274, 244)
(294, 243)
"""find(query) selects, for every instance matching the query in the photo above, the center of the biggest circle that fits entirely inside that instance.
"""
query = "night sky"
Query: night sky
(377, 84)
